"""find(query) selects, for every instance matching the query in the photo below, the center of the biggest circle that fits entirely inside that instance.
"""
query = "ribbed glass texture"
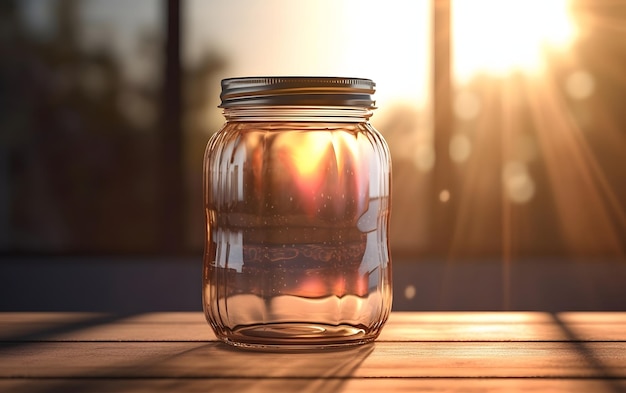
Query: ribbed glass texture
(297, 207)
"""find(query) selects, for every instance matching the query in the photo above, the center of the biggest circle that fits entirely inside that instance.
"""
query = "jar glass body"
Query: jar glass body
(297, 212)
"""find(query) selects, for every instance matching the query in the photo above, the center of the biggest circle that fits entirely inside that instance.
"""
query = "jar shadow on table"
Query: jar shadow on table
(215, 367)
(324, 370)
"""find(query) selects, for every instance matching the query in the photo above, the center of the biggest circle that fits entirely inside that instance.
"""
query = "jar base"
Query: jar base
(296, 336)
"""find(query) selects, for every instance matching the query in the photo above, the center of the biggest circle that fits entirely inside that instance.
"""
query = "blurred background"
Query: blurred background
(505, 119)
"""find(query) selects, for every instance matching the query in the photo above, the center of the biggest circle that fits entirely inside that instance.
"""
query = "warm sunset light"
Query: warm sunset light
(530, 116)
(500, 36)
(385, 42)
(305, 152)
(313, 157)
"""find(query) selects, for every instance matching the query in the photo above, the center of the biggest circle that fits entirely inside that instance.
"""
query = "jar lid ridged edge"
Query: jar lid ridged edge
(239, 91)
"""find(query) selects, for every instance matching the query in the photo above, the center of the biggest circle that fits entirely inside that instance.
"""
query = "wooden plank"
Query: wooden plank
(195, 317)
(592, 317)
(443, 352)
(47, 317)
(503, 332)
(471, 317)
(505, 326)
(394, 360)
(395, 317)
(191, 326)
(282, 385)
(516, 317)
(171, 326)
(110, 332)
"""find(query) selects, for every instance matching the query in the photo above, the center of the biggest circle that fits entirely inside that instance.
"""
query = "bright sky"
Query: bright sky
(387, 41)
(498, 36)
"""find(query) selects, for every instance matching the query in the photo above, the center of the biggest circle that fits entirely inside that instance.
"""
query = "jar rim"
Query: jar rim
(297, 90)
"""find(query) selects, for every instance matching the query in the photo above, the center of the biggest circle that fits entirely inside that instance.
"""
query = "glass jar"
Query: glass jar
(296, 197)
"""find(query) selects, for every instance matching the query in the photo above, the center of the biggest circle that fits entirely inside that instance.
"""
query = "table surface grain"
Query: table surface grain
(417, 351)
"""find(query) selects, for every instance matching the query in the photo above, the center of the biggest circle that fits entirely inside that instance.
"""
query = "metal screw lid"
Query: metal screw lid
(297, 91)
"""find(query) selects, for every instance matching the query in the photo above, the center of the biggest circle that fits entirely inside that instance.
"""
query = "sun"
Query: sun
(501, 36)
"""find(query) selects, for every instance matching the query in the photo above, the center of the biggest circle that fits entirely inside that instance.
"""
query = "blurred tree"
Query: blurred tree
(79, 174)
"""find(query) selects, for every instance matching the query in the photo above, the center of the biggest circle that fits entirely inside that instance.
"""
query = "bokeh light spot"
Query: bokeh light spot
(519, 185)
(424, 158)
(466, 105)
(409, 292)
(444, 196)
(579, 85)
(460, 148)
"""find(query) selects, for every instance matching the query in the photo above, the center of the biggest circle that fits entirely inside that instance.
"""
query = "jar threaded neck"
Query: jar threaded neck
(298, 113)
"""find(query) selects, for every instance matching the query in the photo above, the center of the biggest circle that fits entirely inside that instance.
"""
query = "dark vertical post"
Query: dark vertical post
(171, 184)
(443, 196)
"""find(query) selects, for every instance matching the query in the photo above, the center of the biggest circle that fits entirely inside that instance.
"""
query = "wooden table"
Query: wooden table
(442, 352)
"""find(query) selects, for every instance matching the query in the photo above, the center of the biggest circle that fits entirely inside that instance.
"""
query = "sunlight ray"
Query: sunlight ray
(573, 176)
(567, 109)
